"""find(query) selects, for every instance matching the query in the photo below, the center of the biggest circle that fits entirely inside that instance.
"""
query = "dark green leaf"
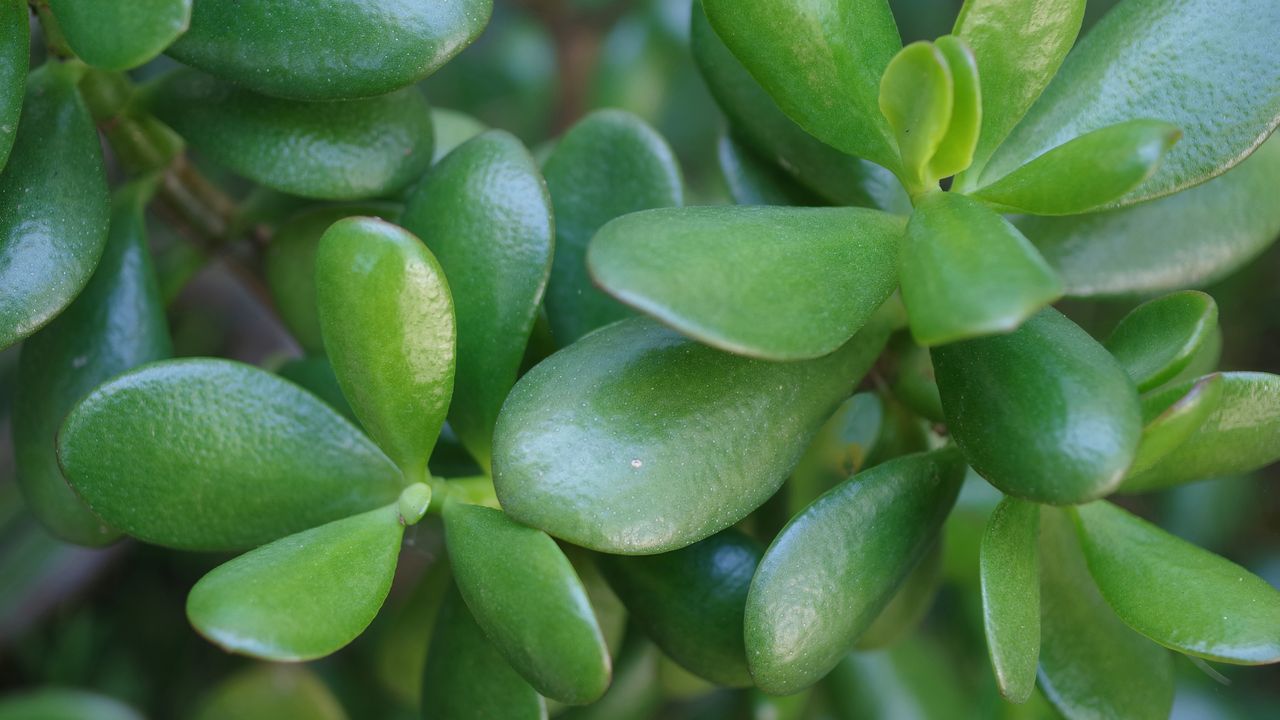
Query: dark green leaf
(766, 282)
(909, 604)
(1172, 415)
(754, 181)
(120, 35)
(222, 456)
(63, 704)
(955, 152)
(406, 636)
(15, 24)
(1159, 338)
(916, 97)
(1010, 572)
(271, 692)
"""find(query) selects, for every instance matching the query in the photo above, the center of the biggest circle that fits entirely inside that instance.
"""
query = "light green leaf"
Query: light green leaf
(955, 152)
(916, 97)
(15, 30)
(54, 703)
(271, 692)
(120, 35)
(452, 128)
(1010, 573)
(1172, 416)
(1158, 339)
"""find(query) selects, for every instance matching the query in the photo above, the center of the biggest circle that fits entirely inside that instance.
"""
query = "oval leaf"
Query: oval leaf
(955, 152)
(1043, 413)
(222, 456)
(916, 97)
(303, 596)
(336, 151)
(636, 440)
(452, 128)
(1159, 338)
(1010, 573)
(331, 50)
(15, 30)
(64, 704)
(120, 35)
(1172, 416)
(270, 692)
(766, 282)
(387, 319)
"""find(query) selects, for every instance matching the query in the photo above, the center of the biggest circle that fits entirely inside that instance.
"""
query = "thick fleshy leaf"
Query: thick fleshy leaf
(1043, 413)
(120, 35)
(909, 604)
(1019, 45)
(1091, 664)
(15, 30)
(271, 692)
(955, 152)
(1241, 435)
(1171, 416)
(388, 326)
(1190, 239)
(55, 703)
(766, 282)
(1177, 594)
(466, 678)
(1010, 573)
(1196, 64)
(754, 181)
(840, 449)
(485, 213)
(222, 456)
(1159, 338)
(452, 128)
(916, 97)
(821, 61)
(836, 565)
(525, 595)
(691, 601)
(331, 50)
(336, 151)
(115, 324)
(637, 440)
(54, 207)
(303, 596)
(952, 240)
(642, 173)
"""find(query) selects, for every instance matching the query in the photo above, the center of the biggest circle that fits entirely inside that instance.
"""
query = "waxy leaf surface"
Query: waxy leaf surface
(15, 30)
(120, 35)
(1159, 338)
(1010, 575)
(955, 152)
(916, 95)
(637, 440)
(271, 692)
(766, 282)
(1043, 413)
(836, 565)
(1173, 415)
(222, 456)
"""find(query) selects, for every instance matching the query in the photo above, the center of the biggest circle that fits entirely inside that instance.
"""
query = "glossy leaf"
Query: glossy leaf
(222, 456)
(15, 30)
(1173, 415)
(841, 448)
(54, 208)
(1019, 45)
(485, 213)
(270, 692)
(466, 678)
(642, 173)
(1192, 63)
(811, 597)
(637, 440)
(303, 596)
(388, 325)
(120, 35)
(955, 152)
(821, 61)
(116, 323)
(691, 601)
(1010, 572)
(336, 151)
(1177, 594)
(909, 604)
(1159, 338)
(54, 703)
(1091, 664)
(754, 181)
(951, 241)
(1241, 435)
(916, 97)
(1043, 413)
(525, 595)
(766, 282)
(331, 50)
(1086, 172)
(452, 128)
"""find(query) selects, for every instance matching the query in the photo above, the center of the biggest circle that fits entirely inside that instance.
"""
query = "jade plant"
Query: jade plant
(743, 437)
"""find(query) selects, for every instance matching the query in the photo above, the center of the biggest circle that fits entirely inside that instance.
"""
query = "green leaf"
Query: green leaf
(116, 323)
(1086, 172)
(1240, 435)
(466, 678)
(1019, 45)
(524, 593)
(915, 385)
(1091, 664)
(955, 152)
(15, 30)
(952, 240)
(914, 679)
(916, 97)
(812, 598)
(331, 50)
(636, 440)
(766, 282)
(120, 35)
(1172, 416)
(1010, 572)
(304, 596)
(839, 178)
(1190, 239)
(691, 602)
(909, 604)
(754, 181)
(271, 692)
(387, 319)
(642, 173)
(1205, 66)
(1177, 594)
(840, 449)
(485, 213)
(1159, 338)
(1043, 413)
(336, 151)
(53, 703)
(452, 128)
(222, 456)
(821, 61)
(54, 207)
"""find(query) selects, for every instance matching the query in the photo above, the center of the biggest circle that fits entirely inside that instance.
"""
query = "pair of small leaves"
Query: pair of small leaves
(120, 36)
